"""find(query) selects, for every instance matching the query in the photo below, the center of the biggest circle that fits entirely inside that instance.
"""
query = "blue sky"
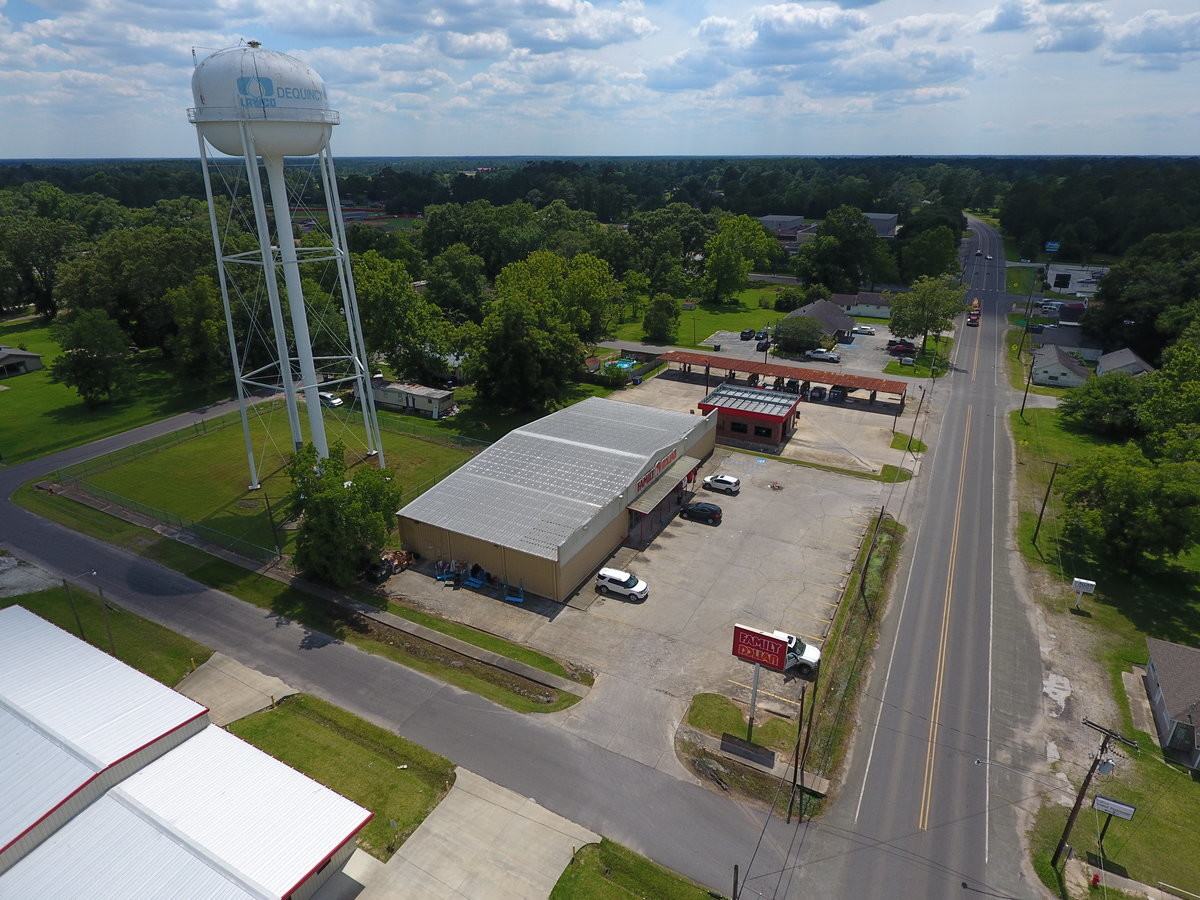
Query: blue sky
(107, 78)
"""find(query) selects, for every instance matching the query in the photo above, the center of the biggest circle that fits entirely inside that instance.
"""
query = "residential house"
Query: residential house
(1124, 360)
(15, 361)
(885, 224)
(834, 321)
(873, 304)
(413, 398)
(1173, 685)
(1055, 367)
(1071, 339)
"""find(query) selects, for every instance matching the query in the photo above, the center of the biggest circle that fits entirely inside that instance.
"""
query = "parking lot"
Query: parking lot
(778, 560)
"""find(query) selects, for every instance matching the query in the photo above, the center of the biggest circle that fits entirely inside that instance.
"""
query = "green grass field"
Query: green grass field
(38, 417)
(696, 325)
(204, 479)
(397, 780)
(609, 871)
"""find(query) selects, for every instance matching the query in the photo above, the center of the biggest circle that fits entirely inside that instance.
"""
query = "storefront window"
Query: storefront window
(738, 427)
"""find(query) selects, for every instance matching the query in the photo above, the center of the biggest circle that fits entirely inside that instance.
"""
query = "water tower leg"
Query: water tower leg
(291, 277)
(267, 259)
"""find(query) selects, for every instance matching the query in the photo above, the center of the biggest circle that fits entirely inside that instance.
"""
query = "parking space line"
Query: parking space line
(768, 694)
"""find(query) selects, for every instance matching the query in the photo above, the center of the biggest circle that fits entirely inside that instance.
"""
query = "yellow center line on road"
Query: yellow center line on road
(975, 361)
(767, 693)
(939, 676)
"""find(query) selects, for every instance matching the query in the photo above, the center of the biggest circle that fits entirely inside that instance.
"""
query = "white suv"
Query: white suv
(624, 583)
(726, 483)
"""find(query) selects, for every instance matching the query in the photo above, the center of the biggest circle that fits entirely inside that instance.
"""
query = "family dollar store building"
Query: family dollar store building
(546, 505)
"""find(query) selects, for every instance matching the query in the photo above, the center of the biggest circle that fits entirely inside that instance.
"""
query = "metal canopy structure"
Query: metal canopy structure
(665, 483)
(775, 370)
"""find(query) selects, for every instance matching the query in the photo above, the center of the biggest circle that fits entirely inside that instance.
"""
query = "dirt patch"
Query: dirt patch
(418, 648)
(19, 577)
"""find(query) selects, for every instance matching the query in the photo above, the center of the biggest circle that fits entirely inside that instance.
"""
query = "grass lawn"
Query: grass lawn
(42, 417)
(609, 871)
(697, 325)
(150, 648)
(928, 363)
(1126, 608)
(1022, 280)
(908, 443)
(204, 479)
(395, 779)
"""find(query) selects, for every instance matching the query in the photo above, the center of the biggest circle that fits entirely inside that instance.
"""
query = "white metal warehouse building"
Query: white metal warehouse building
(116, 786)
(545, 505)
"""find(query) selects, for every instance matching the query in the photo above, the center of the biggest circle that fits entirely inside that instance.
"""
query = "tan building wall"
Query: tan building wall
(580, 555)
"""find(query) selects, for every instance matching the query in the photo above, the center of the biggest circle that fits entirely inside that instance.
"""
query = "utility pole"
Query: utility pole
(1027, 383)
(1045, 500)
(1109, 735)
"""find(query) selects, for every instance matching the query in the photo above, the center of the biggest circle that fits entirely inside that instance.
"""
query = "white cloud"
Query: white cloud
(1073, 29)
(1158, 40)
(1012, 15)
(784, 34)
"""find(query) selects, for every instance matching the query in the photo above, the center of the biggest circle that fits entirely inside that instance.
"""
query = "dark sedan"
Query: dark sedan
(702, 512)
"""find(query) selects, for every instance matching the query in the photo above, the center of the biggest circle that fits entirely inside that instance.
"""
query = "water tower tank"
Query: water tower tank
(281, 98)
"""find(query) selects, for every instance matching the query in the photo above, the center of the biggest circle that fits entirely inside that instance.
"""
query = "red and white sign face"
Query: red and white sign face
(757, 646)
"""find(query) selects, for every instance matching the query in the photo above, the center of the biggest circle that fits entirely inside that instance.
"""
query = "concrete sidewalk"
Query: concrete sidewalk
(482, 842)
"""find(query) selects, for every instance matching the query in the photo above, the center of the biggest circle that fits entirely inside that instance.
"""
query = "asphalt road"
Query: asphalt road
(956, 680)
(958, 673)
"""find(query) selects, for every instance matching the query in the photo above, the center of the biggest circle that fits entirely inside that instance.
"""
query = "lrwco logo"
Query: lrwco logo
(256, 91)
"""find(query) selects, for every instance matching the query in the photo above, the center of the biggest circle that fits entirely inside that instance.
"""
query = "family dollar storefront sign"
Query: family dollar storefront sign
(760, 647)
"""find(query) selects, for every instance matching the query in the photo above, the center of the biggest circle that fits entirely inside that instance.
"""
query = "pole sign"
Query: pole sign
(1052, 246)
(1113, 807)
(761, 647)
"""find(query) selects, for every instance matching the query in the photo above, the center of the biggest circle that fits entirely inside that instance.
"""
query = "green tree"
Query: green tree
(1106, 406)
(1141, 297)
(95, 357)
(929, 307)
(730, 254)
(199, 348)
(1127, 510)
(456, 284)
(527, 352)
(842, 253)
(795, 334)
(345, 519)
(662, 319)
(35, 248)
(1173, 392)
(931, 253)
(128, 272)
(399, 324)
(589, 292)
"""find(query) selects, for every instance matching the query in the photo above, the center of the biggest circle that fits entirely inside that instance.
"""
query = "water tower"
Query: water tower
(257, 104)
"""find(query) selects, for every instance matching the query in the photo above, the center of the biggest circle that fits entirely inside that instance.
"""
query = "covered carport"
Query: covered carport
(689, 361)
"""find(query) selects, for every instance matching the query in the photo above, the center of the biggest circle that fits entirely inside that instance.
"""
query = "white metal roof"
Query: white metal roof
(28, 797)
(109, 852)
(268, 824)
(94, 705)
(211, 818)
(541, 483)
(67, 712)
